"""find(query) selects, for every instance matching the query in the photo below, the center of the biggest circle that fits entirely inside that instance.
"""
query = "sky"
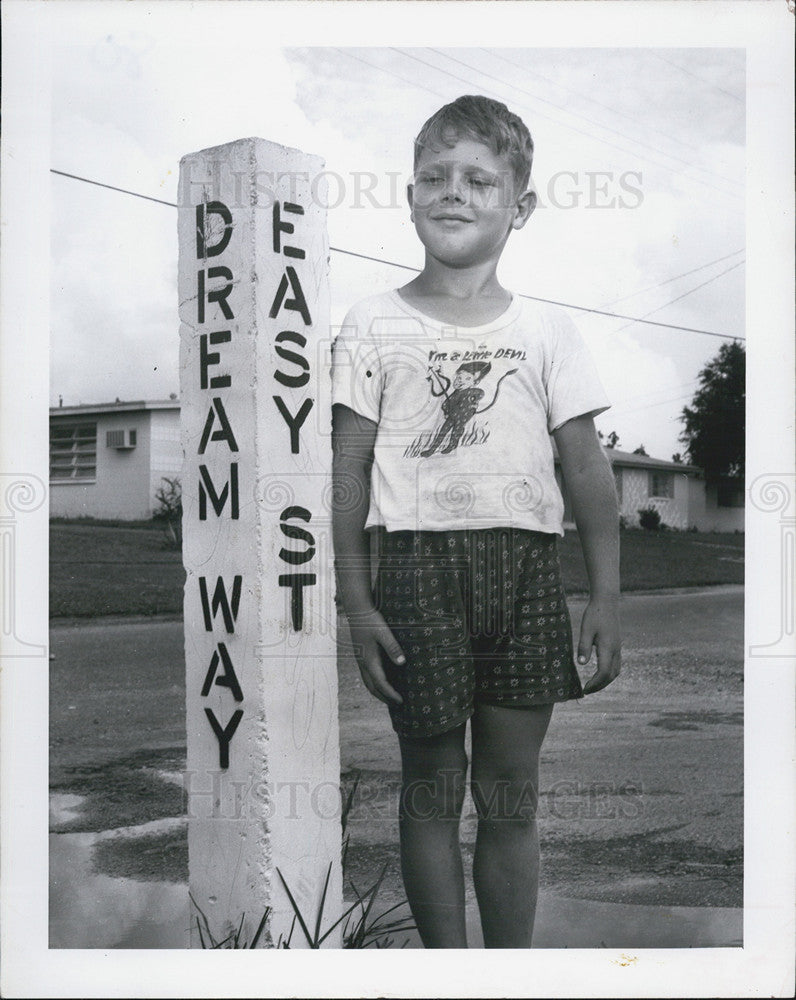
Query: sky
(639, 168)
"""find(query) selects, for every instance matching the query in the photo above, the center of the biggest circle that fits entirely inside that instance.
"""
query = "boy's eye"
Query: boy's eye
(481, 182)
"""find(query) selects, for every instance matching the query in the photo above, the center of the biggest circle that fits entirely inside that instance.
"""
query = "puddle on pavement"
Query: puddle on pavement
(584, 923)
(91, 910)
(96, 911)
(64, 808)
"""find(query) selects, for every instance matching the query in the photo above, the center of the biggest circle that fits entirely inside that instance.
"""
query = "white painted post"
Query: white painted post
(263, 766)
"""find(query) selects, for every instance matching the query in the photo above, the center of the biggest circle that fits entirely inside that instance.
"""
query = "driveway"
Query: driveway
(641, 789)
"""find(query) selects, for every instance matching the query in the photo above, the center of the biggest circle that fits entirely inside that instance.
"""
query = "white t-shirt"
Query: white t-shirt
(464, 414)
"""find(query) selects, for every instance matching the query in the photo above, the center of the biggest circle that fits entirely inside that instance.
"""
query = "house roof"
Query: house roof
(119, 406)
(629, 460)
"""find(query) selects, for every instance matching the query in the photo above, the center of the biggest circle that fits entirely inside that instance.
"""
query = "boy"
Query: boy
(468, 618)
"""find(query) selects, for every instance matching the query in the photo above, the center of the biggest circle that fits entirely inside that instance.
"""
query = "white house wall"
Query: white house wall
(122, 486)
(715, 518)
(165, 450)
(635, 496)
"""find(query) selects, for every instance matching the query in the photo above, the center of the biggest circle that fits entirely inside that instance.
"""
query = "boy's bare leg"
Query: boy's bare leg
(505, 786)
(432, 796)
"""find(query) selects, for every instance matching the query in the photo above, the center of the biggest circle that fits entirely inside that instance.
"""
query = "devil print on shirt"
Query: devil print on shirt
(460, 405)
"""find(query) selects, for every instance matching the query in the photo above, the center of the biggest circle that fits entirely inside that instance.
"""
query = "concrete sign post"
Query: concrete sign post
(263, 754)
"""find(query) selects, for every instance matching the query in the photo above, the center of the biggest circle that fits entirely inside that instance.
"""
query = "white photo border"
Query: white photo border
(764, 965)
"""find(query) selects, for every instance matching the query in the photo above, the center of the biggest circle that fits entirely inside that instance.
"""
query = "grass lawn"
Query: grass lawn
(654, 560)
(98, 569)
(104, 568)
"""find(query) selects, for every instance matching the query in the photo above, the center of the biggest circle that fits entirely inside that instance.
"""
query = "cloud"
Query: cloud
(636, 184)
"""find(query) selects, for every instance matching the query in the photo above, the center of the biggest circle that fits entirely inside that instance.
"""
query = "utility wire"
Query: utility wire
(536, 112)
(689, 292)
(591, 100)
(668, 281)
(407, 267)
(110, 187)
(575, 114)
(621, 411)
(571, 128)
(696, 76)
(383, 69)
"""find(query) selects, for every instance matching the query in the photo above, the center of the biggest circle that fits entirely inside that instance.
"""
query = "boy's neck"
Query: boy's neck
(436, 280)
(461, 298)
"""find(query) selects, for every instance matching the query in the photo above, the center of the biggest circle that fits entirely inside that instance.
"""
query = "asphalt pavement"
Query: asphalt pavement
(641, 808)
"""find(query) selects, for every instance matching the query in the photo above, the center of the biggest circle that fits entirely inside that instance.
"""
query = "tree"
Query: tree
(611, 441)
(715, 422)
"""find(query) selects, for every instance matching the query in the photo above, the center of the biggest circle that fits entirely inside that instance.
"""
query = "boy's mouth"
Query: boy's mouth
(451, 217)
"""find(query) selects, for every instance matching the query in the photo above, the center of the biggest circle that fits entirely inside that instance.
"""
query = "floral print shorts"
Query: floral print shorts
(480, 616)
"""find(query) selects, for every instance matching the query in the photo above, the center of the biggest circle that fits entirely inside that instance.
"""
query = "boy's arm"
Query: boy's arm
(353, 438)
(590, 485)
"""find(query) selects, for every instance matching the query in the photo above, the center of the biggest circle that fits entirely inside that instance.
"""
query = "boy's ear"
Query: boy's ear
(410, 197)
(526, 203)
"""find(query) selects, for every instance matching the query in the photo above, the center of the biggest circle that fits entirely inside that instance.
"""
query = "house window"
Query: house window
(661, 484)
(73, 451)
(730, 495)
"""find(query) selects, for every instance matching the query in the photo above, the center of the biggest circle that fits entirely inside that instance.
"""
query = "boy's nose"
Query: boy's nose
(453, 190)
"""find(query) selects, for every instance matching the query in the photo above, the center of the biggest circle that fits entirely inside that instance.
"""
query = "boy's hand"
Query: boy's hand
(370, 634)
(600, 628)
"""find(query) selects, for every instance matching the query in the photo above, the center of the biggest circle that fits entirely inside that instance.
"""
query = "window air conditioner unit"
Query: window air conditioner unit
(120, 440)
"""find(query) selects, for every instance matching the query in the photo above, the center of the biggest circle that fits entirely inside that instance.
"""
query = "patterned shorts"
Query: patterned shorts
(480, 616)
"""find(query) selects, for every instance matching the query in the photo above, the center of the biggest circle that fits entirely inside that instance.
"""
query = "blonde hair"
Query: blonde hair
(486, 121)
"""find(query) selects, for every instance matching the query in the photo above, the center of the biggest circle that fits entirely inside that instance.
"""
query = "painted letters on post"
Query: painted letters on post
(261, 695)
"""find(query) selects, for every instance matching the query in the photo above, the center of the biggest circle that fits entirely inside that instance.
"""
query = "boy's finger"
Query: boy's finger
(381, 688)
(370, 684)
(584, 647)
(595, 683)
(607, 671)
(391, 647)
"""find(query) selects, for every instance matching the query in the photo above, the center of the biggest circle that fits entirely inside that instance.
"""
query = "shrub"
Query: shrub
(169, 497)
(649, 518)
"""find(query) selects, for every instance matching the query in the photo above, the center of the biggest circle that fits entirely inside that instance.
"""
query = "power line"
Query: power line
(689, 292)
(569, 305)
(376, 260)
(665, 389)
(571, 128)
(622, 411)
(111, 187)
(677, 277)
(591, 100)
(383, 69)
(696, 76)
(407, 267)
(575, 114)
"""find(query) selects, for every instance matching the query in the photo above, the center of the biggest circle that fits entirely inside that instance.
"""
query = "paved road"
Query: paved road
(641, 787)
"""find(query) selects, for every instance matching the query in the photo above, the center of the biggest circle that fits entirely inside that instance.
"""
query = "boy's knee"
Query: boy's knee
(438, 795)
(505, 796)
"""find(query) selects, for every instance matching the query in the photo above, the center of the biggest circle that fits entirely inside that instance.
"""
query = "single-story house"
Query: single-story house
(107, 460)
(679, 493)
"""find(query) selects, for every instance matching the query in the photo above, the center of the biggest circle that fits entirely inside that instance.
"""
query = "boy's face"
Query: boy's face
(464, 203)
